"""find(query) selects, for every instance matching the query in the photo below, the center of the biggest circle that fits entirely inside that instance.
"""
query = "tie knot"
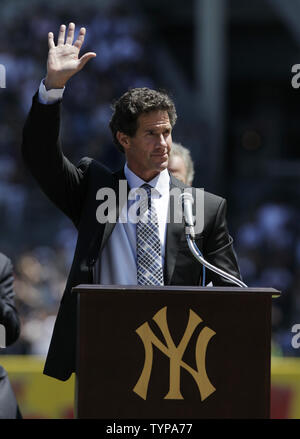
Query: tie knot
(147, 188)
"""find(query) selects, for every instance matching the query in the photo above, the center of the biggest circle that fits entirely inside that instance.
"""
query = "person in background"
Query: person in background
(9, 331)
(181, 164)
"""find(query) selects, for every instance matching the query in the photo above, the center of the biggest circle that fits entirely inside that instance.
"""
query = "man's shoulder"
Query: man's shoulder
(210, 199)
(213, 199)
(212, 203)
(97, 173)
(86, 163)
(5, 265)
(3, 259)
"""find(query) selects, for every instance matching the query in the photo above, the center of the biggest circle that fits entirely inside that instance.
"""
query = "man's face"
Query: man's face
(147, 152)
(177, 168)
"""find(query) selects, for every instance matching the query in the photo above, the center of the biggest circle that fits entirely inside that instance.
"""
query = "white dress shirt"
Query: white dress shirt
(49, 96)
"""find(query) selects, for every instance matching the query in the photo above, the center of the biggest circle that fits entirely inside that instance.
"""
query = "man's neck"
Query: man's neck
(145, 176)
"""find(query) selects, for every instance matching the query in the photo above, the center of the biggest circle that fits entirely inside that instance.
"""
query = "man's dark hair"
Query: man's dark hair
(132, 104)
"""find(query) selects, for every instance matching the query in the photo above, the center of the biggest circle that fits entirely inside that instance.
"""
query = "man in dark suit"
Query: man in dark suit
(10, 330)
(107, 251)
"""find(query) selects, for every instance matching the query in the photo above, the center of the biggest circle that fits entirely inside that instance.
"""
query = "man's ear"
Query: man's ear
(123, 139)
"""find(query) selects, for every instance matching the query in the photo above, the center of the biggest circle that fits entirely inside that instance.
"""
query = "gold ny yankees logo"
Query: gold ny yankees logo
(175, 353)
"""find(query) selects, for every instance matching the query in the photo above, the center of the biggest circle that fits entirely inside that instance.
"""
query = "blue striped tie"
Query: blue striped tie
(149, 261)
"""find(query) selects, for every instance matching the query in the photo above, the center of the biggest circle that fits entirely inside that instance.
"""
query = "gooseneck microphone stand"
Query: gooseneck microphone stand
(196, 252)
(187, 201)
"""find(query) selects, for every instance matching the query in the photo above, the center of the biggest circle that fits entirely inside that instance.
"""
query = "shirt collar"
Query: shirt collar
(161, 182)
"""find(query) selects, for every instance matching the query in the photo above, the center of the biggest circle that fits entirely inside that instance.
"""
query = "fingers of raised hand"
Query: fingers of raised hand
(51, 40)
(61, 35)
(80, 39)
(85, 58)
(70, 35)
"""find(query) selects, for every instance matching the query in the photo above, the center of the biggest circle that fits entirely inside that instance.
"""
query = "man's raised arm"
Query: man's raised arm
(59, 179)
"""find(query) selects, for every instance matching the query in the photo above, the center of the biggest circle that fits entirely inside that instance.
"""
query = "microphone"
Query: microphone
(188, 201)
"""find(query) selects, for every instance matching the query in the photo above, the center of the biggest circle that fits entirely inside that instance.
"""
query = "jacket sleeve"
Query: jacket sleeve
(219, 249)
(59, 179)
(8, 314)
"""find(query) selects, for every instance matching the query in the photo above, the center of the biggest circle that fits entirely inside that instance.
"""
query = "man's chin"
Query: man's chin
(164, 164)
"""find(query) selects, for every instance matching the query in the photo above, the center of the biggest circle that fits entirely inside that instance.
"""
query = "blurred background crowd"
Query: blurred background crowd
(227, 65)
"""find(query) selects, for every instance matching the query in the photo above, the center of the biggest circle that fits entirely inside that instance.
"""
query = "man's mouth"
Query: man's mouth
(164, 155)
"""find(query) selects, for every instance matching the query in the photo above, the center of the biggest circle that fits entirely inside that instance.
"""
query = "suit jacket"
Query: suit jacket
(73, 189)
(8, 313)
(10, 320)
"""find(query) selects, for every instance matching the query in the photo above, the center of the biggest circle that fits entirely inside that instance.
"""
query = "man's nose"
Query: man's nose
(162, 141)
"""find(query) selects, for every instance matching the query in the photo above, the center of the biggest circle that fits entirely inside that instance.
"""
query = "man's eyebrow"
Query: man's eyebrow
(156, 128)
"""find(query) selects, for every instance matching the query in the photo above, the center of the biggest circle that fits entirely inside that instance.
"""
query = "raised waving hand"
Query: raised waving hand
(63, 59)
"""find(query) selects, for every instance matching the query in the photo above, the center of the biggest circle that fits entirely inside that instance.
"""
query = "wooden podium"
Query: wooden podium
(173, 352)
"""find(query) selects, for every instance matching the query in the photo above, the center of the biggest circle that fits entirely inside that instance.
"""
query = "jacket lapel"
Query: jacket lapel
(120, 199)
(101, 232)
